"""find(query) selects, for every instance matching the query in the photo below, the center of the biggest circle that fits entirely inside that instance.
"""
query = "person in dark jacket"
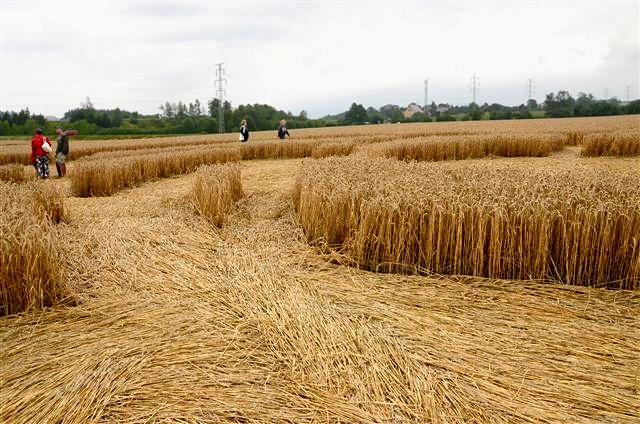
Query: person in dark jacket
(62, 150)
(39, 156)
(244, 131)
(282, 130)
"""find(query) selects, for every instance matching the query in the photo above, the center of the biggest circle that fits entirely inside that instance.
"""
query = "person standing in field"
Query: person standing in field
(282, 130)
(244, 131)
(62, 150)
(39, 154)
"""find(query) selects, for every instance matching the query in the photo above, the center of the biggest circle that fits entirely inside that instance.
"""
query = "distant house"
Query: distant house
(443, 108)
(411, 110)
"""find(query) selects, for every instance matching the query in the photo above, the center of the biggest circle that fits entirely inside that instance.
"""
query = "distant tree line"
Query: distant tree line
(562, 105)
(17, 123)
(174, 118)
(558, 105)
(183, 118)
(357, 114)
(194, 117)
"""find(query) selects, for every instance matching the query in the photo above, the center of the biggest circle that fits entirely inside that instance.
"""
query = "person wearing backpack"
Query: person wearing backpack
(62, 150)
(244, 131)
(40, 148)
(282, 130)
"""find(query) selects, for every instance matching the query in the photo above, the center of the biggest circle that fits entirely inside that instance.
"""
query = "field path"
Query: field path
(179, 321)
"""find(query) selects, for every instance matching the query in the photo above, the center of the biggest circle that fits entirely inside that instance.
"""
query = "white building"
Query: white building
(411, 110)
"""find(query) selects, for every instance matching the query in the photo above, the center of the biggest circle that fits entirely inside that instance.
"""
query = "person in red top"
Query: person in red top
(39, 154)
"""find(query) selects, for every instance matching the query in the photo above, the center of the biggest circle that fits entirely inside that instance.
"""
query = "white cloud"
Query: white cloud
(319, 56)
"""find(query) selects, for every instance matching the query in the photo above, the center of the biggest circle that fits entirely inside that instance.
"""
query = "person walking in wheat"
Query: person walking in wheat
(244, 131)
(282, 130)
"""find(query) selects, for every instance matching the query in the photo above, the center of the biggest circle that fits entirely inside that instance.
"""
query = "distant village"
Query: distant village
(414, 108)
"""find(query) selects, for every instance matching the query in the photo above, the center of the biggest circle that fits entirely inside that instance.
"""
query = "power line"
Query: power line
(475, 86)
(426, 92)
(531, 87)
(606, 93)
(220, 92)
(629, 91)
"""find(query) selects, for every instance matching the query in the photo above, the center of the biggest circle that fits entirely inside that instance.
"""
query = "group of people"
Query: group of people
(244, 131)
(41, 147)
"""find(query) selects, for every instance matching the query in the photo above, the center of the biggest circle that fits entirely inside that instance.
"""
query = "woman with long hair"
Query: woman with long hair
(282, 130)
(244, 131)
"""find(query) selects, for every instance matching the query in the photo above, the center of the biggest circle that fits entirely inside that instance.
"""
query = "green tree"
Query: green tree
(605, 108)
(167, 110)
(208, 125)
(87, 105)
(181, 111)
(228, 114)
(28, 127)
(445, 117)
(89, 110)
(84, 127)
(375, 117)
(559, 105)
(506, 114)
(397, 116)
(419, 117)
(103, 120)
(213, 107)
(195, 110)
(389, 110)
(583, 104)
(523, 114)
(5, 127)
(357, 114)
(474, 112)
(632, 108)
(187, 126)
(117, 117)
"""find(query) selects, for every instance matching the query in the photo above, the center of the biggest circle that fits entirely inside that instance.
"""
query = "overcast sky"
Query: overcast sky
(317, 56)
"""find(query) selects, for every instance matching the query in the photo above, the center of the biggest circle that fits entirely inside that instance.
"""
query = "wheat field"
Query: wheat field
(489, 219)
(620, 143)
(31, 275)
(573, 130)
(215, 190)
(466, 147)
(13, 173)
(320, 279)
